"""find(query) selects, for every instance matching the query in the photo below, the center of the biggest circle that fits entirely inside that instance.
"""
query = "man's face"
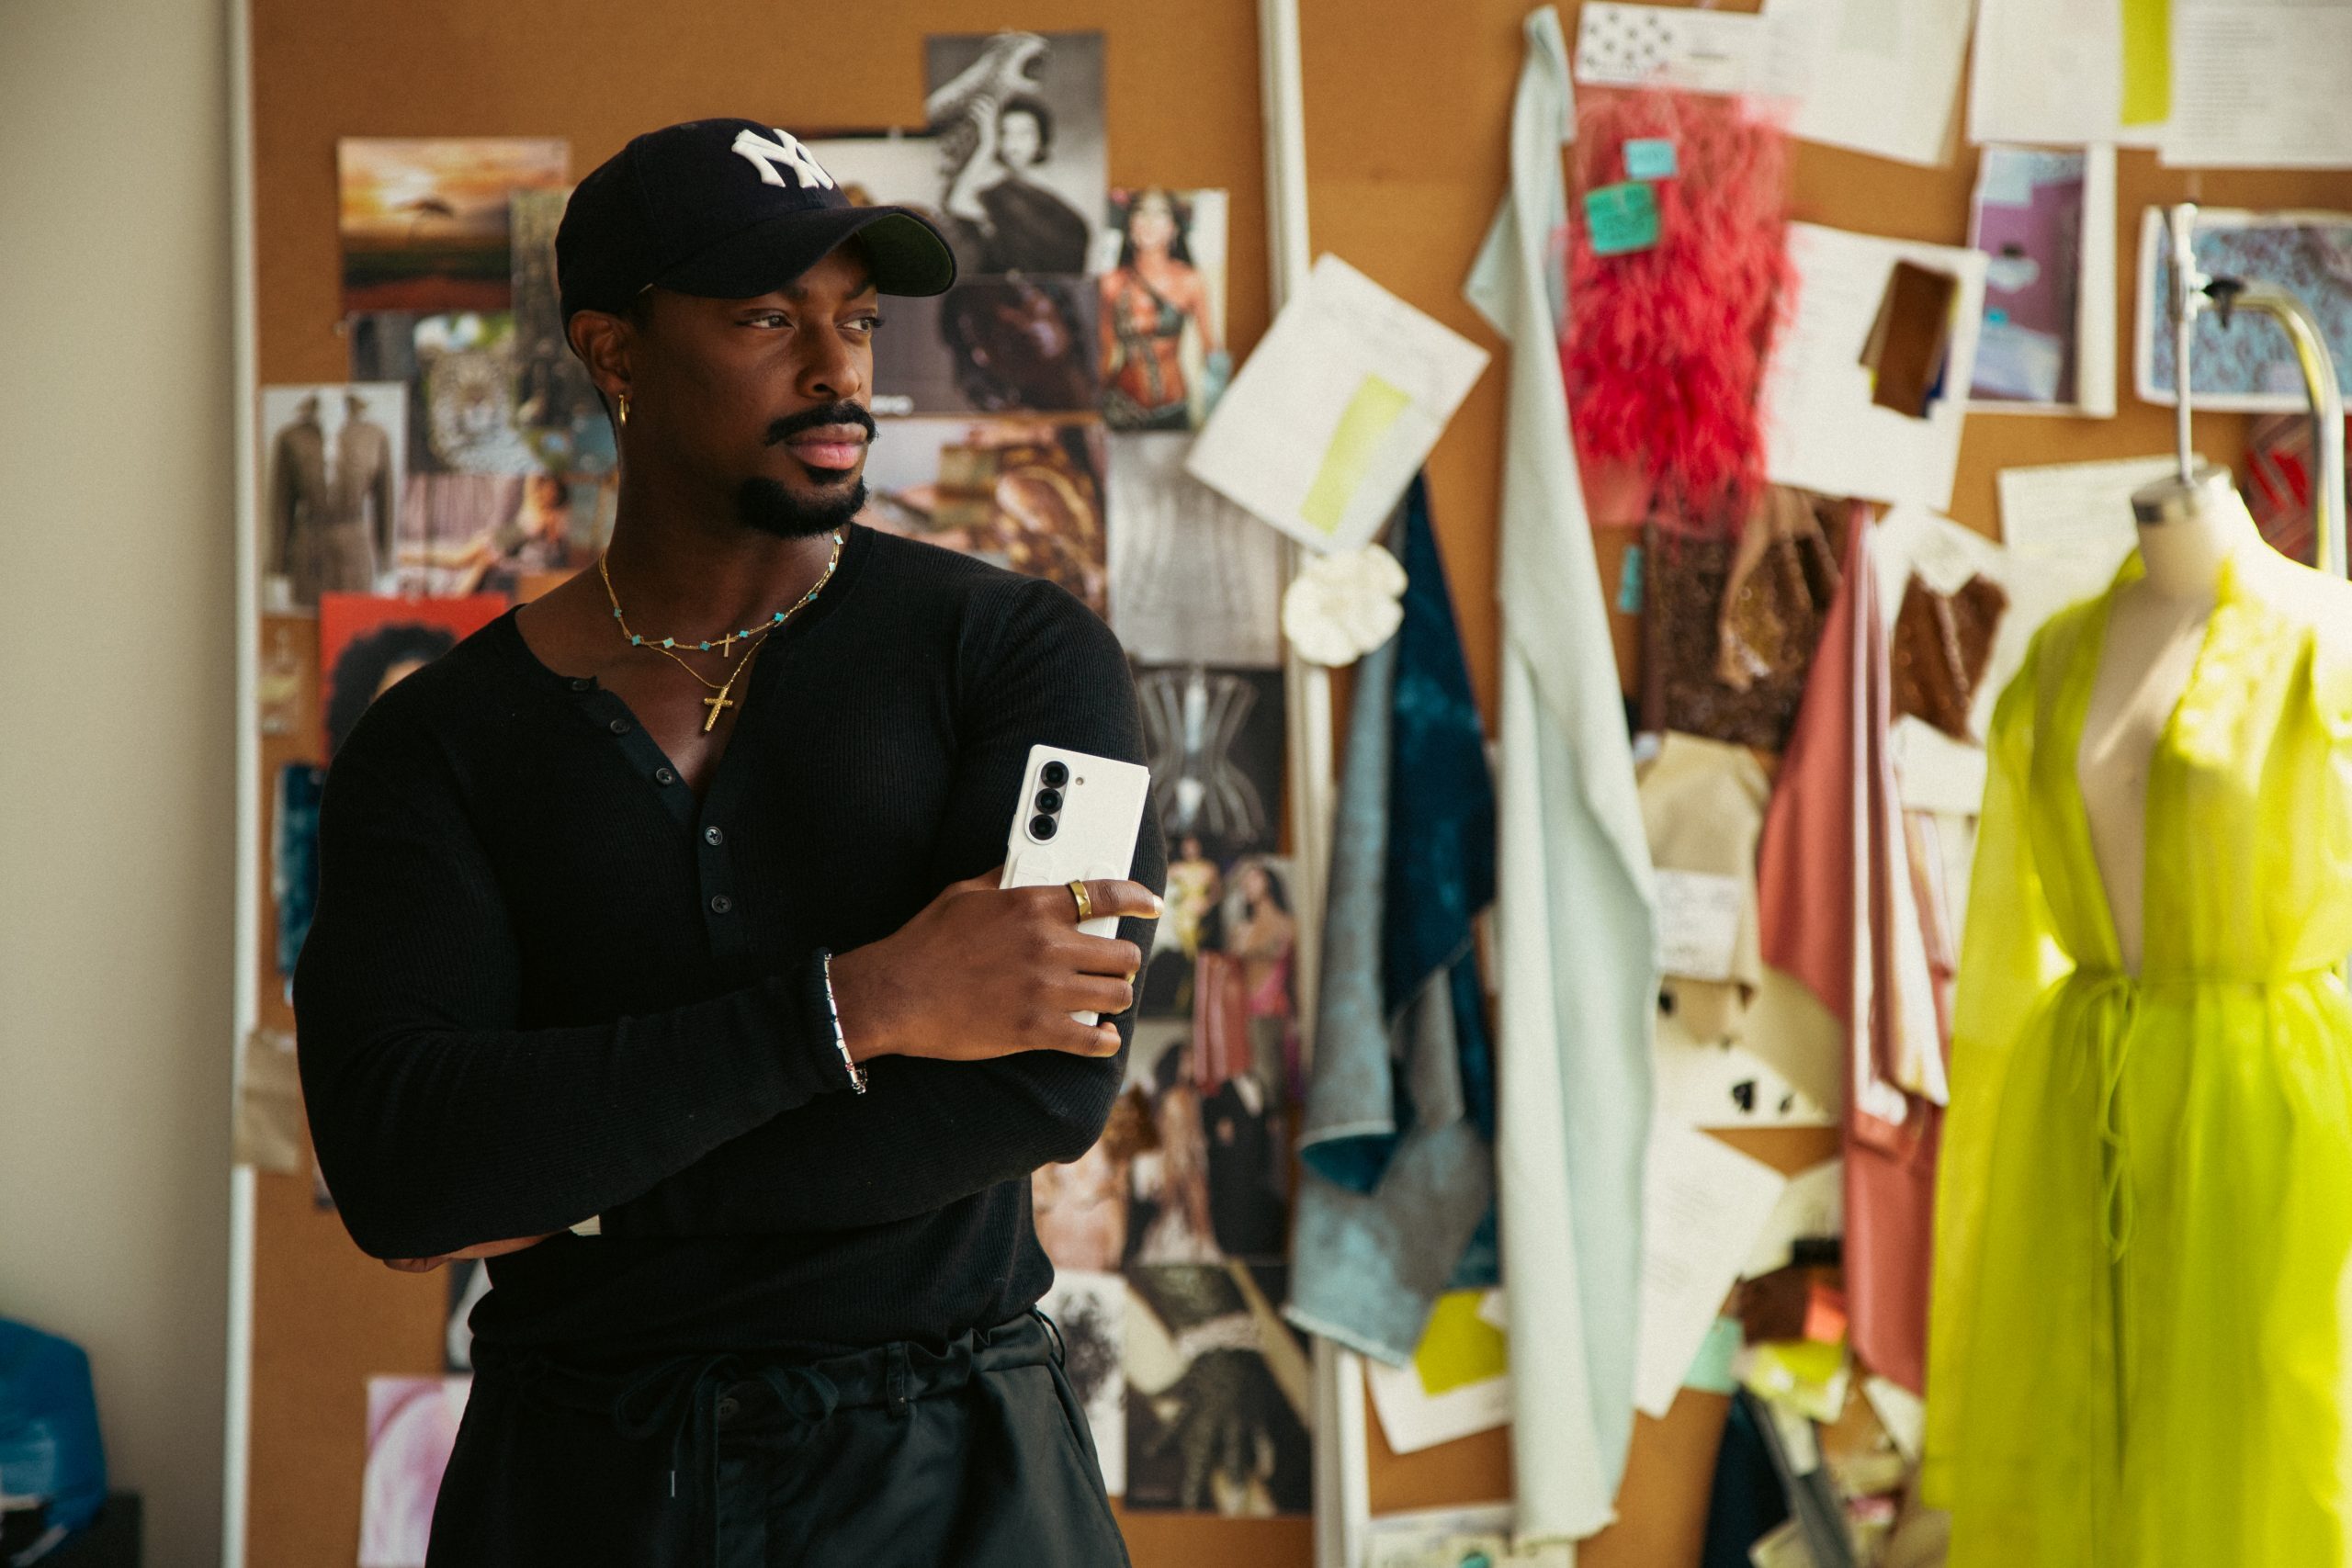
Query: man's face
(1019, 139)
(762, 399)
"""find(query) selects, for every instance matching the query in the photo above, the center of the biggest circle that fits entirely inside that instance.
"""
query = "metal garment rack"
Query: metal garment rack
(2194, 292)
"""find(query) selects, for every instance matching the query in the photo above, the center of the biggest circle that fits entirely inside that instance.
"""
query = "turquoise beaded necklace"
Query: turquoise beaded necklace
(749, 636)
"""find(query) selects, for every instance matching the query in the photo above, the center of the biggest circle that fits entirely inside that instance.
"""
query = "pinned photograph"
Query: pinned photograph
(515, 535)
(411, 1431)
(332, 459)
(424, 222)
(1024, 493)
(991, 346)
(1210, 1174)
(557, 410)
(1081, 1207)
(1089, 1312)
(368, 645)
(465, 371)
(1161, 267)
(1218, 1392)
(1213, 739)
(1193, 576)
(1022, 164)
(1167, 1212)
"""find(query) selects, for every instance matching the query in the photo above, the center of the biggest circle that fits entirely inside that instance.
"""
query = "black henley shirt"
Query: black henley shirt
(545, 982)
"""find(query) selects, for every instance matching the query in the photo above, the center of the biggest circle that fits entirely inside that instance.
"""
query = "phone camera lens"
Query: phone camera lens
(1042, 827)
(1049, 800)
(1053, 775)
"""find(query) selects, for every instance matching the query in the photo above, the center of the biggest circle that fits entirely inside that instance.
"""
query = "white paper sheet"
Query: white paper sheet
(1704, 1205)
(1416, 1417)
(1412, 1418)
(1881, 77)
(2074, 518)
(1822, 432)
(1419, 1538)
(1331, 418)
(2260, 85)
(1812, 1204)
(1672, 46)
(2050, 71)
(1698, 923)
(1936, 772)
(1707, 1085)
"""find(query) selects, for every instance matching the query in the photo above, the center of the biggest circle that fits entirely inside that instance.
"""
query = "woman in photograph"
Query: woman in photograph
(1149, 300)
(1262, 933)
(997, 132)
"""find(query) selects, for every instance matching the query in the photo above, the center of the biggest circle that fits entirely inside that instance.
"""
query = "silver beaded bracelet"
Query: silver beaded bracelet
(841, 1042)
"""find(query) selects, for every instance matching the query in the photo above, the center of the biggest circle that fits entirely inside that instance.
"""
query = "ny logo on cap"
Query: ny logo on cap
(775, 159)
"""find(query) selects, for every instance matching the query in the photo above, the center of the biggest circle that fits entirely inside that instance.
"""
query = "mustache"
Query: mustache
(792, 424)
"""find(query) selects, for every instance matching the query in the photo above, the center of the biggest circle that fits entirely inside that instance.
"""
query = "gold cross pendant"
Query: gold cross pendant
(714, 704)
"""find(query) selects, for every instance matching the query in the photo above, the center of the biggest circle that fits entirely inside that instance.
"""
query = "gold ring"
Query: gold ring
(1085, 903)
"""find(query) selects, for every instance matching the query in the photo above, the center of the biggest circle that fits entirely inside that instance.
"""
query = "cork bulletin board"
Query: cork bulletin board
(1407, 104)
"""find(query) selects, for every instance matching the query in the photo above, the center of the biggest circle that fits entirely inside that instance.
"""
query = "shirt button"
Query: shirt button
(618, 726)
(581, 682)
(720, 903)
(713, 836)
(663, 776)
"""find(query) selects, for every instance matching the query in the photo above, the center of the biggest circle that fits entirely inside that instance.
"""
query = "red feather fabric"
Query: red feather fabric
(1664, 349)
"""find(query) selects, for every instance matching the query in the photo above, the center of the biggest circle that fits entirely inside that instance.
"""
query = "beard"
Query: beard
(767, 505)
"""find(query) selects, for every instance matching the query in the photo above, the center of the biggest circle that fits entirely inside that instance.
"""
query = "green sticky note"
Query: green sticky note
(1621, 218)
(1650, 158)
(1376, 405)
(1629, 582)
(1710, 1368)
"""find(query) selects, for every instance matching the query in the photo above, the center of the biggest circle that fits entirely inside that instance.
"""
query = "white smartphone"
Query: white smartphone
(1077, 818)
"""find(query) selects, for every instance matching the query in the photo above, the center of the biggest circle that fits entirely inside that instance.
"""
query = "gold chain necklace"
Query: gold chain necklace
(749, 636)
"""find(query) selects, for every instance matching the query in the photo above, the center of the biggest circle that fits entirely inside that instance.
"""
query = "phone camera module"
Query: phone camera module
(1042, 827)
(1049, 800)
(1053, 775)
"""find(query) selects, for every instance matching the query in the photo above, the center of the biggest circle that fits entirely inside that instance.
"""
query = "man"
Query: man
(685, 993)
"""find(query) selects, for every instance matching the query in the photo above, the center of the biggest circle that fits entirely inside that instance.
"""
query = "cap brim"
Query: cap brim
(907, 253)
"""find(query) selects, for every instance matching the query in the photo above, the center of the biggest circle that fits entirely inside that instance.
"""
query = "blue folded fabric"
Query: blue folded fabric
(1396, 1141)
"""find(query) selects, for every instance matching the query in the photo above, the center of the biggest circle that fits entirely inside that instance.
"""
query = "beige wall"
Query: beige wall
(117, 631)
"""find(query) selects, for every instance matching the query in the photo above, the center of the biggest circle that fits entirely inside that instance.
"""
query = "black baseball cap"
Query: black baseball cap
(727, 209)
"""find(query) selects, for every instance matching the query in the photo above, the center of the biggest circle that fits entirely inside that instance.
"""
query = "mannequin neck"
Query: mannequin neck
(2184, 551)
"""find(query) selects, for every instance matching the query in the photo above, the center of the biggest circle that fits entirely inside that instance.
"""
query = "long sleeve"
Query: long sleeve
(438, 1123)
(2009, 959)
(930, 1132)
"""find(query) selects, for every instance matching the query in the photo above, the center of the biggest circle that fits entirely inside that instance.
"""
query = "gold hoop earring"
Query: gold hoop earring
(623, 408)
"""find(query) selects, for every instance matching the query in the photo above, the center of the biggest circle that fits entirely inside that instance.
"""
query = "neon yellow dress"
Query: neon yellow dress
(2138, 1351)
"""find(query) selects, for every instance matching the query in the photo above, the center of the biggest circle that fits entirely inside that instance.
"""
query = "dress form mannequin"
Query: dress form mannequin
(2154, 630)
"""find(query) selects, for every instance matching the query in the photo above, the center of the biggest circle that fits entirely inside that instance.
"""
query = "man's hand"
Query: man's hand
(486, 1249)
(985, 972)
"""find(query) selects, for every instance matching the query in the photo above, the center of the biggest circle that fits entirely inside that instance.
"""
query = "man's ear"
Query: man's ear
(603, 342)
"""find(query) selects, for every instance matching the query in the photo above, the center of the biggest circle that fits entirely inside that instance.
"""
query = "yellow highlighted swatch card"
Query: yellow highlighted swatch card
(1354, 446)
